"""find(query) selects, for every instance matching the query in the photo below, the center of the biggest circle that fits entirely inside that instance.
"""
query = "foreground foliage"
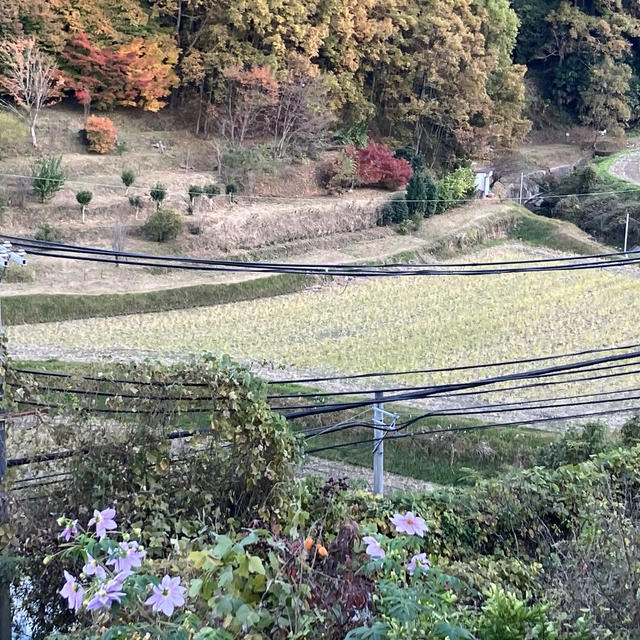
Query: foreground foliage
(215, 539)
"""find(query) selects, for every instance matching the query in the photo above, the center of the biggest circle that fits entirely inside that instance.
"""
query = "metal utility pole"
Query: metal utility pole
(378, 446)
(626, 233)
(7, 255)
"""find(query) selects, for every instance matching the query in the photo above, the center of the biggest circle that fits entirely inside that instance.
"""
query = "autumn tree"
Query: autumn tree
(605, 104)
(250, 96)
(150, 70)
(30, 78)
(98, 75)
(301, 114)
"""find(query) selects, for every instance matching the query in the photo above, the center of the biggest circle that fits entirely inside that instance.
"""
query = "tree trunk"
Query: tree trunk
(83, 209)
(32, 129)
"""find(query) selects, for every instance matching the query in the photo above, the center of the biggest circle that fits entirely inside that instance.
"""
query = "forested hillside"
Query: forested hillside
(448, 76)
(435, 71)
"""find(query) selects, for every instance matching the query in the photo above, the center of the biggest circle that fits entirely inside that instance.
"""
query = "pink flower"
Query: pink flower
(127, 556)
(418, 560)
(167, 595)
(92, 568)
(106, 595)
(374, 550)
(73, 592)
(70, 529)
(409, 524)
(103, 520)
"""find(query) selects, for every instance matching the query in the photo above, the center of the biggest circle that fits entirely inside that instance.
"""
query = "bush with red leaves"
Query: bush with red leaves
(378, 166)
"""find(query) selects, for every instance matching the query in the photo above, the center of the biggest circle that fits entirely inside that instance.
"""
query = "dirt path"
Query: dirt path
(627, 167)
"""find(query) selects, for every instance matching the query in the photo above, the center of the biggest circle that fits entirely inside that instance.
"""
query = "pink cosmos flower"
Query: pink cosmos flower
(92, 568)
(70, 529)
(167, 595)
(126, 557)
(103, 520)
(409, 524)
(418, 560)
(73, 592)
(373, 550)
(106, 595)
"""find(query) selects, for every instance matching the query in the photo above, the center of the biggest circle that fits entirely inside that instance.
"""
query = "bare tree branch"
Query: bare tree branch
(30, 78)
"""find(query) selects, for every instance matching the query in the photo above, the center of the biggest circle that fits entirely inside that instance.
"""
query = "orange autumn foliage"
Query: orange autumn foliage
(101, 134)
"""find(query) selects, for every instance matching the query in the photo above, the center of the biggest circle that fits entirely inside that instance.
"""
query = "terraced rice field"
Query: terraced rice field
(389, 324)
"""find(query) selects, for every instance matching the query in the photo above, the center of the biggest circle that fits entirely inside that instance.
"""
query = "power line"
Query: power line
(475, 392)
(503, 363)
(434, 390)
(476, 428)
(387, 270)
(122, 254)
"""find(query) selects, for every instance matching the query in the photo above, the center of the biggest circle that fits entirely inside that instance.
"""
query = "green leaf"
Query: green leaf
(225, 544)
(195, 587)
(243, 615)
(451, 632)
(255, 565)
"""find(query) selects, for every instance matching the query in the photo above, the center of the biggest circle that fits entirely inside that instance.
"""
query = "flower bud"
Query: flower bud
(308, 543)
(47, 560)
(137, 531)
(61, 521)
(322, 551)
(126, 537)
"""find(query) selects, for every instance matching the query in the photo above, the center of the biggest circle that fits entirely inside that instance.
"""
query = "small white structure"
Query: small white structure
(483, 181)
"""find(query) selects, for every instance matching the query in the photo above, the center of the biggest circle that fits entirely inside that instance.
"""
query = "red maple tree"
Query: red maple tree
(376, 165)
(99, 76)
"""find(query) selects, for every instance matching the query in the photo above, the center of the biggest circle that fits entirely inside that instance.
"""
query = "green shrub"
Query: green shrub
(162, 225)
(48, 177)
(576, 445)
(415, 159)
(394, 211)
(505, 616)
(422, 194)
(194, 191)
(211, 189)
(128, 177)
(455, 186)
(339, 175)
(83, 198)
(46, 233)
(588, 179)
(630, 432)
(137, 203)
(158, 193)
(356, 135)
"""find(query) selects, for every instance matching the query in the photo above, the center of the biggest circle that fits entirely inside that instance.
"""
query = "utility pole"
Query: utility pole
(7, 255)
(521, 186)
(626, 233)
(378, 445)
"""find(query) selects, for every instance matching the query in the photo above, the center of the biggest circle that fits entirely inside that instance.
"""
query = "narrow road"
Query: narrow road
(627, 167)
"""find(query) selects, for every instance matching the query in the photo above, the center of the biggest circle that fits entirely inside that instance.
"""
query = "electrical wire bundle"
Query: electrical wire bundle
(537, 265)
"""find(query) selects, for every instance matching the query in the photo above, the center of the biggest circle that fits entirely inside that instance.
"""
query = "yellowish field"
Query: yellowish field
(388, 324)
